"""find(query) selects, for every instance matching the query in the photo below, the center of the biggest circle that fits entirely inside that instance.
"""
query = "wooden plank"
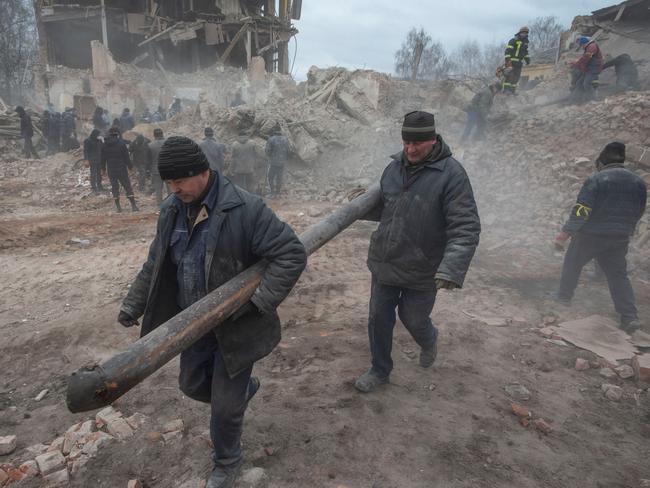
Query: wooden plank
(620, 13)
(233, 43)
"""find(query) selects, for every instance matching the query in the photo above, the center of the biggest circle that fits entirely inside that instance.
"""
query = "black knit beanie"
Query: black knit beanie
(181, 157)
(613, 153)
(418, 126)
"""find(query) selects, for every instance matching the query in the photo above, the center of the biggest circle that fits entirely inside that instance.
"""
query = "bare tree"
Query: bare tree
(17, 44)
(472, 60)
(421, 57)
(544, 34)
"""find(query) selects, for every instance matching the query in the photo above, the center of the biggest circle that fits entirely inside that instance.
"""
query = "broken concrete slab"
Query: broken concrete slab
(120, 428)
(7, 444)
(58, 478)
(599, 335)
(50, 462)
(612, 392)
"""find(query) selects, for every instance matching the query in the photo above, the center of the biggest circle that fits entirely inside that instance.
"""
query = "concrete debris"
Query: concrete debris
(641, 366)
(50, 462)
(254, 478)
(107, 414)
(522, 412)
(7, 444)
(517, 392)
(543, 426)
(607, 373)
(172, 425)
(120, 428)
(29, 469)
(624, 371)
(41, 395)
(59, 478)
(582, 364)
(612, 392)
(134, 484)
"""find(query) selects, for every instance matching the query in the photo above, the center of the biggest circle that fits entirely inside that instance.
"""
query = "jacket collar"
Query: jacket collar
(436, 160)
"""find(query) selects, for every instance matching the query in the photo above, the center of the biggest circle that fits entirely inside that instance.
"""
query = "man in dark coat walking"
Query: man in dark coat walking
(428, 231)
(477, 112)
(93, 154)
(243, 162)
(608, 209)
(208, 232)
(27, 132)
(213, 150)
(141, 157)
(115, 158)
(277, 152)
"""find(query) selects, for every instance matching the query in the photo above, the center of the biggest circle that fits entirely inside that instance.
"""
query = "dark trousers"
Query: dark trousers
(203, 377)
(142, 177)
(512, 78)
(610, 253)
(95, 175)
(274, 176)
(413, 307)
(120, 176)
(474, 120)
(583, 85)
(29, 150)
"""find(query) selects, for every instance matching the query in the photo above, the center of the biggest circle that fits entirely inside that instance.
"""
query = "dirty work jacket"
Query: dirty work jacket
(115, 154)
(429, 225)
(610, 203)
(517, 51)
(244, 158)
(243, 230)
(277, 150)
(481, 103)
(215, 152)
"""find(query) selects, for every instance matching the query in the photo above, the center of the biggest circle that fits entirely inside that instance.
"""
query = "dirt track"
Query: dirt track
(308, 427)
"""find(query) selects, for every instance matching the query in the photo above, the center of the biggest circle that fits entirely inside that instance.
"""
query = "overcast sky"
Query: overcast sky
(366, 33)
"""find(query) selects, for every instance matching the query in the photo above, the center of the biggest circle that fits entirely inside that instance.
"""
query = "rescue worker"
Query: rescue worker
(428, 231)
(27, 132)
(99, 122)
(213, 150)
(127, 122)
(116, 160)
(209, 231)
(154, 148)
(515, 56)
(54, 133)
(477, 112)
(243, 162)
(141, 157)
(69, 130)
(277, 152)
(93, 154)
(46, 124)
(627, 75)
(586, 71)
(609, 206)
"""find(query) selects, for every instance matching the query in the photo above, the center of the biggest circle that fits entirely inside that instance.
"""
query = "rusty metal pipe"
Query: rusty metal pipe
(100, 385)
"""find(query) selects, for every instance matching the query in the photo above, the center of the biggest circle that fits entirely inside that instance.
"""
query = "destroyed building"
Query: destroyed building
(179, 36)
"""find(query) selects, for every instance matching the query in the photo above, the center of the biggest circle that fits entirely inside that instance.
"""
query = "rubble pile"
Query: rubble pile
(65, 456)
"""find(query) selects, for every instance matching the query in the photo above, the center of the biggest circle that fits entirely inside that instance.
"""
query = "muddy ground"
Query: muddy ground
(450, 426)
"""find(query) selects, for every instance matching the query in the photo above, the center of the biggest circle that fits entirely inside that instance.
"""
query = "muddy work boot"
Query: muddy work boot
(369, 381)
(118, 207)
(224, 476)
(134, 207)
(630, 326)
(560, 299)
(428, 355)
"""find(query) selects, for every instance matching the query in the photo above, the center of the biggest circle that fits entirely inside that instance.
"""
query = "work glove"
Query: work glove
(560, 241)
(247, 308)
(445, 284)
(126, 320)
(508, 63)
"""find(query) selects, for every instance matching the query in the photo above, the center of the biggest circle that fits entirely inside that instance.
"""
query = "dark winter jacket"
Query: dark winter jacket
(115, 154)
(429, 226)
(140, 152)
(482, 103)
(126, 122)
(215, 152)
(242, 231)
(610, 203)
(93, 148)
(277, 150)
(244, 157)
(627, 74)
(154, 148)
(517, 50)
(26, 127)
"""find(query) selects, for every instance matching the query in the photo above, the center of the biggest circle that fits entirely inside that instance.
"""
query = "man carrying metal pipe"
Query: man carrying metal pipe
(208, 232)
(428, 231)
